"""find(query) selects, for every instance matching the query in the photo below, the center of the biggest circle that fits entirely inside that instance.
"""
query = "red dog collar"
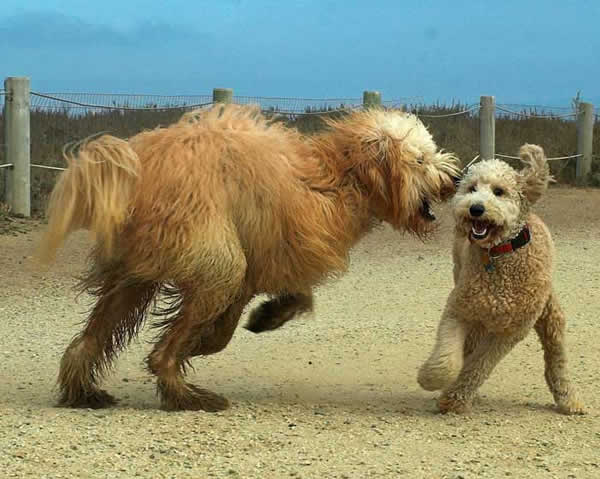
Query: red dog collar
(514, 244)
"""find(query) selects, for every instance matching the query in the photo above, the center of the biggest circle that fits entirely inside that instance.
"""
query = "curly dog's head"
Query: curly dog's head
(396, 162)
(493, 199)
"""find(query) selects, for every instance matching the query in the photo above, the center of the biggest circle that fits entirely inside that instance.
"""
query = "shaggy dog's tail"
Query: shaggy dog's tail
(93, 193)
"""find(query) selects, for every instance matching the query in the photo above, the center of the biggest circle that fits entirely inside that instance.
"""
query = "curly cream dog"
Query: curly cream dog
(503, 259)
(217, 208)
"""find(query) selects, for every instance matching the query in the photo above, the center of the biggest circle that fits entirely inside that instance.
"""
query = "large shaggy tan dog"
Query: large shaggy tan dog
(220, 207)
(503, 259)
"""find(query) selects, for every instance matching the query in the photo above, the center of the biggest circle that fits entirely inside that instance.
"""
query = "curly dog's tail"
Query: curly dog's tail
(93, 193)
(535, 176)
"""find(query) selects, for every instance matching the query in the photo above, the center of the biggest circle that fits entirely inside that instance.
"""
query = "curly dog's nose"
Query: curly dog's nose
(476, 210)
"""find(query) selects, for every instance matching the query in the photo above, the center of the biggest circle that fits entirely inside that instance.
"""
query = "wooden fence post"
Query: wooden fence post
(18, 150)
(222, 95)
(487, 128)
(585, 135)
(371, 98)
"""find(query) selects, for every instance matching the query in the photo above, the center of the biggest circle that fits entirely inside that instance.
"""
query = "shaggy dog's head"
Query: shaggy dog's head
(493, 199)
(394, 159)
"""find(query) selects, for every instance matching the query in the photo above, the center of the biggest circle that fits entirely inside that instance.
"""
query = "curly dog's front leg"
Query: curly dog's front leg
(446, 360)
(478, 366)
(550, 329)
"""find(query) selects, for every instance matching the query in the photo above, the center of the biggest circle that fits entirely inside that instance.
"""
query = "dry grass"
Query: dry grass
(51, 130)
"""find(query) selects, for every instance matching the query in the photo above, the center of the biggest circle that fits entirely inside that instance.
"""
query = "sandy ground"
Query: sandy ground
(333, 396)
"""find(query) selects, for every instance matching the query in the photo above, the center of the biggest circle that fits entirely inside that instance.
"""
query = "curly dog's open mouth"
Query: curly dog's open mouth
(481, 229)
(426, 211)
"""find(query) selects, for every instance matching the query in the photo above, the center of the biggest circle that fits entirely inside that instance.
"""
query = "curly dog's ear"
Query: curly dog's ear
(535, 176)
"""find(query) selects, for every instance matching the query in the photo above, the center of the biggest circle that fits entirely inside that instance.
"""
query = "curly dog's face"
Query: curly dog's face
(493, 199)
(488, 203)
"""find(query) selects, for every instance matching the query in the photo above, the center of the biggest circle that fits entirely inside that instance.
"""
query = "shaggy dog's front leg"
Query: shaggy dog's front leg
(446, 360)
(274, 313)
(490, 350)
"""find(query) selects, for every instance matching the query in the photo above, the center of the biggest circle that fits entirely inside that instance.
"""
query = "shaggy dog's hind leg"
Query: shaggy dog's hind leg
(217, 336)
(274, 313)
(113, 321)
(213, 291)
(550, 329)
(179, 342)
(446, 360)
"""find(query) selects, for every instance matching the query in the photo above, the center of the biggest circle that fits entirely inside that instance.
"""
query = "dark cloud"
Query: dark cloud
(44, 29)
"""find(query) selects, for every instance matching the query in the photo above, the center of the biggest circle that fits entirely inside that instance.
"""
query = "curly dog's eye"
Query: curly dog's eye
(472, 189)
(498, 191)
(420, 160)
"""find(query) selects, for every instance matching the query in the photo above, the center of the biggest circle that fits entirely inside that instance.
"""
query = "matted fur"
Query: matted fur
(224, 205)
(96, 205)
(489, 312)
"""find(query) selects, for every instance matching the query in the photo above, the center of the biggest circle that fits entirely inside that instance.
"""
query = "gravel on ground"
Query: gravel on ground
(332, 395)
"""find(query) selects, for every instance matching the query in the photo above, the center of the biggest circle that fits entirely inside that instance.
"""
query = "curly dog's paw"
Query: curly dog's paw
(571, 406)
(437, 375)
(432, 379)
(452, 402)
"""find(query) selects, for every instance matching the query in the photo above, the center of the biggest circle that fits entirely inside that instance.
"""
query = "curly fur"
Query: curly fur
(489, 312)
(221, 206)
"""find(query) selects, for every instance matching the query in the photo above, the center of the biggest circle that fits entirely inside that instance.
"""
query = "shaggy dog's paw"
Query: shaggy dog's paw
(96, 399)
(276, 312)
(264, 318)
(451, 402)
(194, 398)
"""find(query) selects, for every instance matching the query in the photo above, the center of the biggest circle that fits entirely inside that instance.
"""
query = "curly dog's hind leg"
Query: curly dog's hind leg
(446, 360)
(550, 329)
(274, 313)
(113, 321)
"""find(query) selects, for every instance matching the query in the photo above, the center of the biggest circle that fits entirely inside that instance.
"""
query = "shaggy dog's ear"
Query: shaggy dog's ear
(371, 174)
(535, 176)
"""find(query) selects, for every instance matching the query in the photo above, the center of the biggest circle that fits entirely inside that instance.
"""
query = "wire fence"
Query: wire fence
(79, 104)
(83, 103)
(60, 118)
(569, 157)
(534, 114)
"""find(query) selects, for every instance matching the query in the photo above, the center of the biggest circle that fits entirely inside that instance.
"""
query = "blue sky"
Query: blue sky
(520, 51)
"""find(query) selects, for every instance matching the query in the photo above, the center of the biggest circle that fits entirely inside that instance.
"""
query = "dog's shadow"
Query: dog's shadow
(365, 400)
(371, 402)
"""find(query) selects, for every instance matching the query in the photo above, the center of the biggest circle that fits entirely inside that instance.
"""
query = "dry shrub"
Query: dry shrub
(52, 129)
